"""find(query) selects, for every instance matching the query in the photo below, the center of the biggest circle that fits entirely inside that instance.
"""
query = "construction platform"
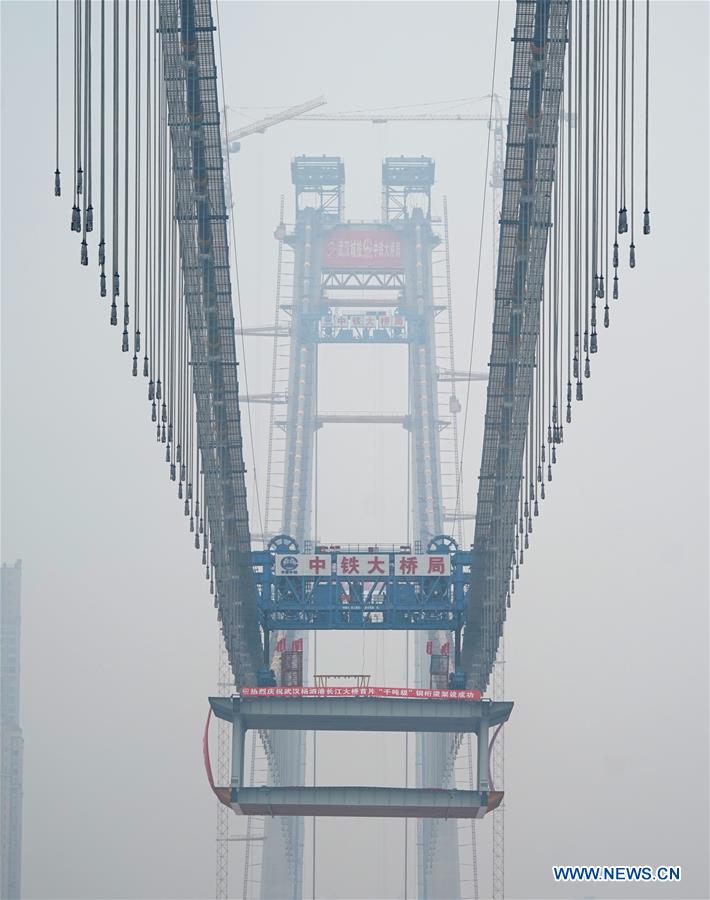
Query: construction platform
(360, 714)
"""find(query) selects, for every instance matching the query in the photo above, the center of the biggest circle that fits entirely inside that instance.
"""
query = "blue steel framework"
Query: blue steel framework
(389, 599)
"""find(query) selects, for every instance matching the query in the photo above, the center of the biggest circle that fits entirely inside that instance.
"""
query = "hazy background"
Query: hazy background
(607, 640)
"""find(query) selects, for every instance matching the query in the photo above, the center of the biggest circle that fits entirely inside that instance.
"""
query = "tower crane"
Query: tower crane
(383, 118)
(260, 126)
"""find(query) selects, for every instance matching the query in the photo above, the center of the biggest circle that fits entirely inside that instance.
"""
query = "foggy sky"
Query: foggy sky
(607, 640)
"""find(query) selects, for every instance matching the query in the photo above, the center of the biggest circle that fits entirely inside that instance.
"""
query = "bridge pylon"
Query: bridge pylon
(378, 282)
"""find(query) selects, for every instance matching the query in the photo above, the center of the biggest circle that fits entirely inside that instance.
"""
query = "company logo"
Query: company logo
(289, 564)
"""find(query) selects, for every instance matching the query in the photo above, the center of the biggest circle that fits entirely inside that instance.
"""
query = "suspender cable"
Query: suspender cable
(632, 246)
(607, 142)
(147, 336)
(102, 157)
(615, 257)
(57, 173)
(572, 111)
(237, 286)
(79, 117)
(646, 213)
(126, 192)
(88, 177)
(84, 257)
(75, 214)
(459, 474)
(137, 201)
(158, 229)
(114, 207)
(623, 216)
(586, 210)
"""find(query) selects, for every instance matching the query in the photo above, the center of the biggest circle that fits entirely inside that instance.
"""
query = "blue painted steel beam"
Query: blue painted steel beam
(385, 600)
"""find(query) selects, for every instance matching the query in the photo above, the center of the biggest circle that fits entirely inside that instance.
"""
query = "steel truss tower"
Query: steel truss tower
(400, 265)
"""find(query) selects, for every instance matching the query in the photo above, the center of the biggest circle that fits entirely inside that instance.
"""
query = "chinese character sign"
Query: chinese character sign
(370, 566)
(303, 564)
(363, 248)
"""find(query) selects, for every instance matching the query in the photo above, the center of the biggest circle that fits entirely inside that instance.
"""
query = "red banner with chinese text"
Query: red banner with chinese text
(363, 248)
(401, 693)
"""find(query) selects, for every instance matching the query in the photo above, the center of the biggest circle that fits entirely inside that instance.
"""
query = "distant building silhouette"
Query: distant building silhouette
(10, 734)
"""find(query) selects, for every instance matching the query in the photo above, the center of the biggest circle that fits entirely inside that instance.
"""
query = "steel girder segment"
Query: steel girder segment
(380, 802)
(193, 117)
(536, 87)
(395, 714)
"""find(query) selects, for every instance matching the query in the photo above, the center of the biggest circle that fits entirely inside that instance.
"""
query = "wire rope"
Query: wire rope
(102, 158)
(114, 238)
(237, 286)
(646, 213)
(480, 252)
(57, 173)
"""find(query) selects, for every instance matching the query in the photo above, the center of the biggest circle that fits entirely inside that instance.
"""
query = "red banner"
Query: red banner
(297, 645)
(429, 647)
(363, 248)
(445, 649)
(281, 645)
(400, 693)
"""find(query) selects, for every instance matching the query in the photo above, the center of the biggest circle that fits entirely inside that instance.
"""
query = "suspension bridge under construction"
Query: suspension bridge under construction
(568, 181)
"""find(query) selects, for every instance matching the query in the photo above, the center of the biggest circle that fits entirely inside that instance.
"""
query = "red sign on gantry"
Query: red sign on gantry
(363, 248)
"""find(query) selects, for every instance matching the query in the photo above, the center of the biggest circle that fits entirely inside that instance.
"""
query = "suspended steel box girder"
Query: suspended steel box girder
(360, 714)
(375, 802)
